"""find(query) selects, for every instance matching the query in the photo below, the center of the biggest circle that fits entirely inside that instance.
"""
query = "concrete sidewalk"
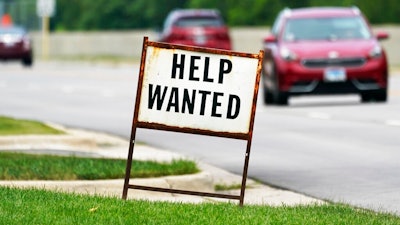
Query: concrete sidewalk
(84, 143)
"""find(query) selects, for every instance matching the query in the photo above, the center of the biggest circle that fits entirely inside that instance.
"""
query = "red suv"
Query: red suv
(196, 27)
(323, 50)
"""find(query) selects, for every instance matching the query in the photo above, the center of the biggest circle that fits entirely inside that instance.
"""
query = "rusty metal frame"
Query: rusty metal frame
(137, 124)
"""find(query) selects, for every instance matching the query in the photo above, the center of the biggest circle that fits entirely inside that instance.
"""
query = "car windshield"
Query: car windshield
(11, 30)
(342, 28)
(198, 22)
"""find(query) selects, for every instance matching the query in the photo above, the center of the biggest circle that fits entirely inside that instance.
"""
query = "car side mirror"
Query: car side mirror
(270, 39)
(382, 36)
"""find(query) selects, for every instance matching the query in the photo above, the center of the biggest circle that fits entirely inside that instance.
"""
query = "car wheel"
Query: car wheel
(378, 96)
(28, 61)
(268, 96)
(281, 98)
(365, 97)
(267, 72)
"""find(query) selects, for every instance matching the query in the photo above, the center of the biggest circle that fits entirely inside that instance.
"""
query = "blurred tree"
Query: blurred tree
(223, 5)
(133, 14)
(68, 15)
(117, 14)
(383, 12)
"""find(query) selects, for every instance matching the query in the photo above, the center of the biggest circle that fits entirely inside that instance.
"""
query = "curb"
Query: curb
(94, 144)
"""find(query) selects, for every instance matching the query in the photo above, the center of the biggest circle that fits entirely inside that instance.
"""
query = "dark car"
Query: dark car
(323, 50)
(15, 44)
(196, 27)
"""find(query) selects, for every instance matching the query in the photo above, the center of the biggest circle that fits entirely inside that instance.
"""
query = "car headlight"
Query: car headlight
(376, 52)
(287, 54)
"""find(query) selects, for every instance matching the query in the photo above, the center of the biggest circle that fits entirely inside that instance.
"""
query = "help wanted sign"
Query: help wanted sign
(198, 88)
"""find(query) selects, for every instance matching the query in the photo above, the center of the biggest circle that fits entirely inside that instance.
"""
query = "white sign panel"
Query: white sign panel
(45, 8)
(198, 90)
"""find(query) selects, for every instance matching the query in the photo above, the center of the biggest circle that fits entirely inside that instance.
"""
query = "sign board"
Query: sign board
(202, 91)
(196, 90)
(45, 8)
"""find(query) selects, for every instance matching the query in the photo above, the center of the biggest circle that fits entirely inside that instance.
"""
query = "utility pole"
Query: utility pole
(45, 9)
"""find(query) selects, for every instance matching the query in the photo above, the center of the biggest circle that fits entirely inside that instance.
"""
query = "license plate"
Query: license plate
(200, 39)
(335, 75)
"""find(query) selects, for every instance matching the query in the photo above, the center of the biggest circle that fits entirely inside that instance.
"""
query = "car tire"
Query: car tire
(377, 96)
(381, 95)
(268, 96)
(281, 98)
(366, 97)
(267, 70)
(27, 61)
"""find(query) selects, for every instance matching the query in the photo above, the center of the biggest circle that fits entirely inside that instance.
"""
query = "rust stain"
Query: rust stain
(202, 49)
(157, 126)
(153, 55)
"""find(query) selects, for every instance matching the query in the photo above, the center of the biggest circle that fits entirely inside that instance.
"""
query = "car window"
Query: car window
(341, 28)
(11, 30)
(276, 27)
(198, 22)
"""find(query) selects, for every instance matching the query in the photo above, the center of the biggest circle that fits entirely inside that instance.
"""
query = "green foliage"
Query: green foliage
(112, 15)
(33, 206)
(140, 14)
(128, 14)
(18, 166)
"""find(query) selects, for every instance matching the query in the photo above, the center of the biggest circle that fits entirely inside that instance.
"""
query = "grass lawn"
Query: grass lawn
(33, 206)
(19, 166)
(11, 126)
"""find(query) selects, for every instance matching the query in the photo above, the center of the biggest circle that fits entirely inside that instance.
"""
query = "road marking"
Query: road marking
(319, 115)
(392, 122)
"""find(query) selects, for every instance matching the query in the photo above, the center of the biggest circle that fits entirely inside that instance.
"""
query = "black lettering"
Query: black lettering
(193, 67)
(216, 103)
(206, 68)
(156, 96)
(176, 65)
(173, 100)
(233, 114)
(187, 101)
(222, 69)
(203, 101)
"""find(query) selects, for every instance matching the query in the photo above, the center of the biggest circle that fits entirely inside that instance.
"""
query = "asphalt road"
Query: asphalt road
(330, 147)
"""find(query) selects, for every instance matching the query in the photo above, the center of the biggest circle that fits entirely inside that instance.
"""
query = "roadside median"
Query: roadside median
(77, 142)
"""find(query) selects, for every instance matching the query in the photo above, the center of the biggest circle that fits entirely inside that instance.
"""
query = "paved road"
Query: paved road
(331, 147)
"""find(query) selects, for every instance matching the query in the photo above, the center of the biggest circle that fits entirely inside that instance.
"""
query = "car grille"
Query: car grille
(342, 62)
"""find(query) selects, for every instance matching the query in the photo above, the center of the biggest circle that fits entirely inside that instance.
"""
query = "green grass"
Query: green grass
(15, 166)
(224, 187)
(34, 206)
(11, 126)
(19, 166)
